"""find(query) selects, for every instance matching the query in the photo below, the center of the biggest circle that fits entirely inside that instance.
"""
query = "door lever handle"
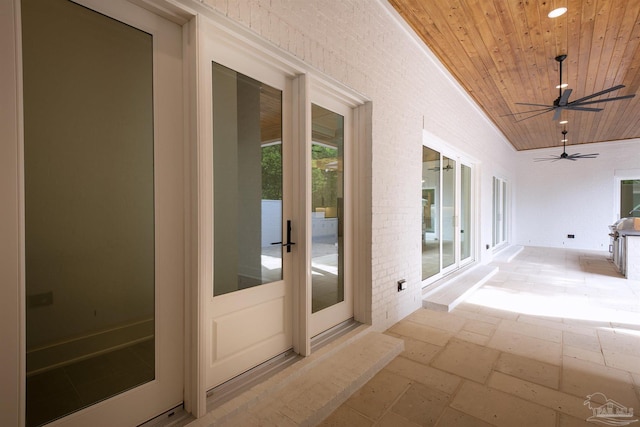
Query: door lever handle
(289, 242)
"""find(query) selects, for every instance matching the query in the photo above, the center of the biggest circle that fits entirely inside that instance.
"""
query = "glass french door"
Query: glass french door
(499, 220)
(247, 224)
(447, 212)
(448, 215)
(274, 203)
(104, 242)
(331, 288)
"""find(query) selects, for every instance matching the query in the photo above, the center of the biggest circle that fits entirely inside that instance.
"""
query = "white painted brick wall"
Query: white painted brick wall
(360, 43)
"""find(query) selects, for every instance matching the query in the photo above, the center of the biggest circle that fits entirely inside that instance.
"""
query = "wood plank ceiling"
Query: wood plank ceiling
(503, 52)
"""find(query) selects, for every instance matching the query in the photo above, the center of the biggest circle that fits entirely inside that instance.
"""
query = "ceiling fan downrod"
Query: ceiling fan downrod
(560, 58)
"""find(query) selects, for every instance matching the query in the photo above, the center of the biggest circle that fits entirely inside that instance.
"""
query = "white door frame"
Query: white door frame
(220, 313)
(189, 14)
(229, 38)
(341, 311)
(12, 271)
(433, 142)
(12, 293)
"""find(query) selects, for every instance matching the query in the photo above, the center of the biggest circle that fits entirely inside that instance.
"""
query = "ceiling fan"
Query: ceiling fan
(564, 155)
(446, 168)
(562, 101)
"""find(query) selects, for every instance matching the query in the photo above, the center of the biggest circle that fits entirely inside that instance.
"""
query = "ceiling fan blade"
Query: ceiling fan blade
(526, 112)
(565, 97)
(576, 156)
(534, 115)
(556, 115)
(578, 108)
(534, 105)
(602, 92)
(617, 98)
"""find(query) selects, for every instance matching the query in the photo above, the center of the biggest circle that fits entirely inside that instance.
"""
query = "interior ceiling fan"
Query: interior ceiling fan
(564, 155)
(446, 168)
(562, 101)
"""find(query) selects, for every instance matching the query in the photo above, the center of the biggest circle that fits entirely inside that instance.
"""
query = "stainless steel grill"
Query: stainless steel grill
(619, 231)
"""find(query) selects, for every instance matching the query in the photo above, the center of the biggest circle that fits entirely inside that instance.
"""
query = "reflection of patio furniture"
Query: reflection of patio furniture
(327, 212)
(321, 226)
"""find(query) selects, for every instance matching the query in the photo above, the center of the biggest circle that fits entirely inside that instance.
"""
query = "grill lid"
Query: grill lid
(628, 226)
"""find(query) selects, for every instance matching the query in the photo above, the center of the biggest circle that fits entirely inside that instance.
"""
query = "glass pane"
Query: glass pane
(448, 211)
(327, 189)
(630, 198)
(430, 212)
(496, 204)
(503, 213)
(465, 212)
(247, 181)
(89, 219)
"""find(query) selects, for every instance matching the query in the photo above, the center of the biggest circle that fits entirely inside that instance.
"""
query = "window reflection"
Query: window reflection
(430, 212)
(327, 189)
(247, 181)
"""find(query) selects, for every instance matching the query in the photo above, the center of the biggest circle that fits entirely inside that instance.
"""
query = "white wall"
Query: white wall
(362, 44)
(564, 197)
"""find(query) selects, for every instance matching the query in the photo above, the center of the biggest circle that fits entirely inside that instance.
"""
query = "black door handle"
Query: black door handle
(289, 242)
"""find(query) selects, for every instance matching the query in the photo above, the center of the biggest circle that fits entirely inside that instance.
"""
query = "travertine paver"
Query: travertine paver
(467, 360)
(529, 370)
(582, 378)
(454, 418)
(419, 351)
(501, 409)
(535, 348)
(421, 404)
(550, 398)
(378, 394)
(421, 332)
(431, 377)
(510, 363)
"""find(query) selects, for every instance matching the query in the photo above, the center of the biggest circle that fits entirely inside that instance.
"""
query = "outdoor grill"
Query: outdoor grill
(619, 231)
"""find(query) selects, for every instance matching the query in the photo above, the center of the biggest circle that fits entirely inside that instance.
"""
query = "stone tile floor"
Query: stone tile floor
(528, 348)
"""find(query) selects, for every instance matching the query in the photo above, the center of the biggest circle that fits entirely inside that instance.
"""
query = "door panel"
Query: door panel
(449, 225)
(431, 165)
(249, 312)
(331, 287)
(465, 212)
(104, 212)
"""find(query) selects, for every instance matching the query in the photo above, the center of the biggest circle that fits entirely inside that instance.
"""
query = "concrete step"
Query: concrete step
(455, 289)
(508, 253)
(309, 390)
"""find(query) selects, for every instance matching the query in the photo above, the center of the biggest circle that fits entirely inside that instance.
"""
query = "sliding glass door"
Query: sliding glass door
(447, 213)
(499, 212)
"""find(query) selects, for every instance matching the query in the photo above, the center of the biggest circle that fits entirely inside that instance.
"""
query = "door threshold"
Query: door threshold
(332, 334)
(176, 417)
(243, 382)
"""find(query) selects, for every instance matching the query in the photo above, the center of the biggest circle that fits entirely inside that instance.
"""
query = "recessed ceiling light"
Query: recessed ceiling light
(563, 140)
(564, 122)
(562, 86)
(557, 12)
